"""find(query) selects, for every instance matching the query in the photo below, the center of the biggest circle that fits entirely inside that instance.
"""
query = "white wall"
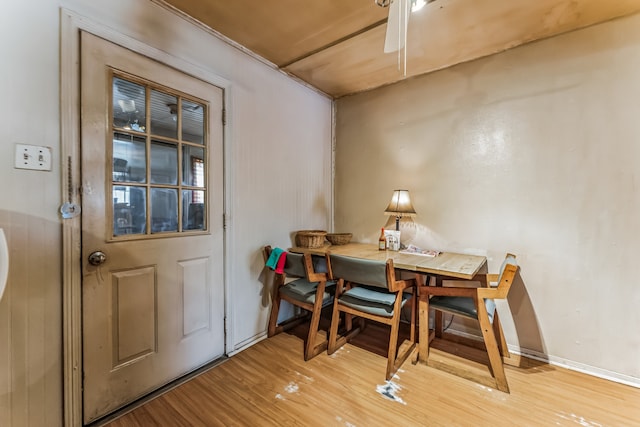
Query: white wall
(534, 151)
(279, 148)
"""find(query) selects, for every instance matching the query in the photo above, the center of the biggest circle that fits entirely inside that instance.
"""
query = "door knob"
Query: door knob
(97, 258)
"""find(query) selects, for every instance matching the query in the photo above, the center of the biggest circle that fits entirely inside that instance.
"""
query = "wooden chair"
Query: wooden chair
(369, 290)
(478, 304)
(309, 289)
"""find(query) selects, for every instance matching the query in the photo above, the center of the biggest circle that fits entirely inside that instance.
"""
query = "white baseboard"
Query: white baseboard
(563, 363)
(243, 345)
(577, 366)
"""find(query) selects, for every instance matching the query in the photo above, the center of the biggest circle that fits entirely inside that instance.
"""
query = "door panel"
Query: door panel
(195, 295)
(133, 303)
(152, 173)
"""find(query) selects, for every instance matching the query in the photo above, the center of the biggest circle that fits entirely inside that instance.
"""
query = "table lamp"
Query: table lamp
(400, 206)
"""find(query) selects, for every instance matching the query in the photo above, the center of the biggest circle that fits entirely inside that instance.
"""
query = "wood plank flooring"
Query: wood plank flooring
(270, 384)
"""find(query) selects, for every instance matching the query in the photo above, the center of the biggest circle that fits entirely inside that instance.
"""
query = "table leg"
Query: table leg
(438, 324)
(425, 334)
(423, 327)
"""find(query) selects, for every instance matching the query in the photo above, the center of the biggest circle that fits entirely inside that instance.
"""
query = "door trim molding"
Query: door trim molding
(71, 25)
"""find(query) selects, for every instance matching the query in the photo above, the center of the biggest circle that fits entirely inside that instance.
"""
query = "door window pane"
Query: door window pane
(164, 114)
(193, 166)
(129, 158)
(164, 210)
(192, 122)
(129, 210)
(164, 163)
(159, 160)
(129, 105)
(193, 210)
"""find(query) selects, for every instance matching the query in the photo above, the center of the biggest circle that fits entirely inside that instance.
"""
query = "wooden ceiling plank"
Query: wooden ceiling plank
(283, 30)
(350, 36)
(448, 32)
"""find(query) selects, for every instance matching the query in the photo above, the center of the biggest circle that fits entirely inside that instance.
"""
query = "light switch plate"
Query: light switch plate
(33, 157)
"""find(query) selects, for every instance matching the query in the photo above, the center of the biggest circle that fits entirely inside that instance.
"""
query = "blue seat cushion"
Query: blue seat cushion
(304, 291)
(371, 300)
(462, 306)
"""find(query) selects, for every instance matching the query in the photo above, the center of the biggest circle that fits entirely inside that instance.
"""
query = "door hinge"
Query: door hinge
(224, 116)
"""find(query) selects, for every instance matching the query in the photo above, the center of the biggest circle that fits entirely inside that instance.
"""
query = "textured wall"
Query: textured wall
(532, 151)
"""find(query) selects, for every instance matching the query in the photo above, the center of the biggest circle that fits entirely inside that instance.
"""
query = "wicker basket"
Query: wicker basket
(339, 238)
(310, 238)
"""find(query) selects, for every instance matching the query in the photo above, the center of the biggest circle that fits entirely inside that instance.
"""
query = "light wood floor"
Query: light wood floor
(269, 384)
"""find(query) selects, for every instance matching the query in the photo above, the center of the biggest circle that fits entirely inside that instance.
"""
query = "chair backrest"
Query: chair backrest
(294, 265)
(507, 273)
(505, 278)
(362, 271)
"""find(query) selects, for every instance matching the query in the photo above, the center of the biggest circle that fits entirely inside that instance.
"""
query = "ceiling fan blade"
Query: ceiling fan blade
(396, 26)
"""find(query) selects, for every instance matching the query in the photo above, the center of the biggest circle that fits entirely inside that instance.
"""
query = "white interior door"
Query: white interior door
(152, 225)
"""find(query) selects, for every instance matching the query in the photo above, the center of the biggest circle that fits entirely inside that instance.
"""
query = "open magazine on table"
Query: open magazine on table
(411, 249)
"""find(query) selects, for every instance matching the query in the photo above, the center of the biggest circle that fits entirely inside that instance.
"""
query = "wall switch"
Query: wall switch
(33, 157)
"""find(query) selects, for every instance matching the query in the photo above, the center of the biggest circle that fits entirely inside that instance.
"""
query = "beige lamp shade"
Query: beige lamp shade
(400, 204)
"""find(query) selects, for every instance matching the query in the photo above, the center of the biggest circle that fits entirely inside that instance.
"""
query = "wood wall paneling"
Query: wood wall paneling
(31, 365)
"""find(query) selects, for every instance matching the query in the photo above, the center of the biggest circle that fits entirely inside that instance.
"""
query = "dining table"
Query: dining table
(441, 265)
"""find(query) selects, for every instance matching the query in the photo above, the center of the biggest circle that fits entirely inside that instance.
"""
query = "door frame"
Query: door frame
(71, 25)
